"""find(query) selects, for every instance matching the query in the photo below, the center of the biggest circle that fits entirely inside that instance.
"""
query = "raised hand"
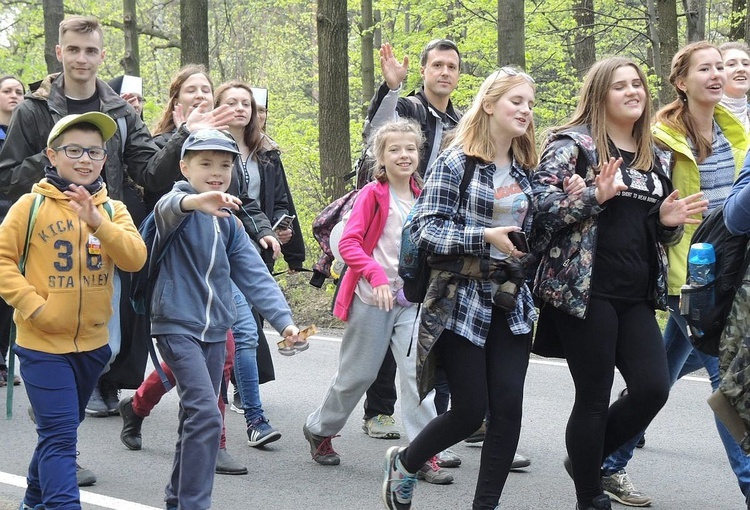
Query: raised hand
(606, 185)
(82, 203)
(394, 71)
(674, 211)
(203, 117)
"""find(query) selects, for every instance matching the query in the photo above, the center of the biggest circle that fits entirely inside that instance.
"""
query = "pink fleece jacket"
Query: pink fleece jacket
(361, 235)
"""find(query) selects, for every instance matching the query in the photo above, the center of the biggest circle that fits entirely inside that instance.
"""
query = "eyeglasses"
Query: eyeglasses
(512, 71)
(77, 152)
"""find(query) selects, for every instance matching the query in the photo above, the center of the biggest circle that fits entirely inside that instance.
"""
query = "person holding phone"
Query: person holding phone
(258, 172)
(604, 268)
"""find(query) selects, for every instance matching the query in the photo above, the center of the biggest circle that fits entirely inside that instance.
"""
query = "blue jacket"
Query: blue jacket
(193, 292)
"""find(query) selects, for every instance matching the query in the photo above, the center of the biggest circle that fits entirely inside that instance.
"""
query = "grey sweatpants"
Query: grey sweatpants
(197, 367)
(368, 333)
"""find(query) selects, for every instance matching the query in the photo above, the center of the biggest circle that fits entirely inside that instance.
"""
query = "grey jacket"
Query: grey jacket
(193, 291)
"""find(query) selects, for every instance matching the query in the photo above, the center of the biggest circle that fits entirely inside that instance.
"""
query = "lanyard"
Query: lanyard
(402, 211)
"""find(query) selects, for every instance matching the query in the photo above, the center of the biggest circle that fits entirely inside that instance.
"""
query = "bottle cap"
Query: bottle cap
(702, 253)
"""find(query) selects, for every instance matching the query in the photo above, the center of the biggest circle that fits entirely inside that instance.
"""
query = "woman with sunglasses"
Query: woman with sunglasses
(484, 349)
(604, 269)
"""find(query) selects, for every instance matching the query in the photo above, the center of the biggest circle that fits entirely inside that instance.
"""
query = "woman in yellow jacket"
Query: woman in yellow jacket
(708, 146)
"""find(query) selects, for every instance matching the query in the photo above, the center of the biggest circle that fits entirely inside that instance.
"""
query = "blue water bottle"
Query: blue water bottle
(701, 264)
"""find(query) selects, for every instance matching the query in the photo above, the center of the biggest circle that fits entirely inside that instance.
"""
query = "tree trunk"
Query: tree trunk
(194, 32)
(655, 51)
(584, 45)
(666, 11)
(333, 72)
(367, 46)
(511, 33)
(53, 15)
(131, 62)
(695, 15)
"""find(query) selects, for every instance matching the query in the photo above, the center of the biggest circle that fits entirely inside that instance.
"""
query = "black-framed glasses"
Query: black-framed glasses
(512, 71)
(77, 152)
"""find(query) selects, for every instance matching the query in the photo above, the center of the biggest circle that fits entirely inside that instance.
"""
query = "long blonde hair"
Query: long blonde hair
(676, 114)
(591, 112)
(473, 130)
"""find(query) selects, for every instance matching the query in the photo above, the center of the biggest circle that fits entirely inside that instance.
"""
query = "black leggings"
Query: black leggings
(614, 333)
(476, 376)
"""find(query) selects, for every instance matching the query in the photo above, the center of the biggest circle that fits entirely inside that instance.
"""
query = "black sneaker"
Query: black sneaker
(321, 448)
(84, 477)
(96, 406)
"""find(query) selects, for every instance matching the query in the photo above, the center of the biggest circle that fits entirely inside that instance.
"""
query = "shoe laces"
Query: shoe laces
(405, 486)
(325, 447)
(432, 463)
(625, 482)
(384, 419)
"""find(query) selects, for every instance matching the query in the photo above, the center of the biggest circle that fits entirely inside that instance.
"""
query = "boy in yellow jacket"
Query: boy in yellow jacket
(59, 246)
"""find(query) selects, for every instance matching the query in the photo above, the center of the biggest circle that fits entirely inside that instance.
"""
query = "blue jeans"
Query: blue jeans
(113, 326)
(58, 387)
(683, 359)
(245, 331)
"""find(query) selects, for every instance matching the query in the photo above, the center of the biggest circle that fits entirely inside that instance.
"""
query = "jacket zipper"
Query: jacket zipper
(207, 279)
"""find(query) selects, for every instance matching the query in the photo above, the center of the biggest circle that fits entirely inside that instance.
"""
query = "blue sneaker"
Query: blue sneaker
(398, 483)
(260, 432)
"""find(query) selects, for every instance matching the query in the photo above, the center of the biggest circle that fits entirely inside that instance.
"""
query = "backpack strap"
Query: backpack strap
(33, 213)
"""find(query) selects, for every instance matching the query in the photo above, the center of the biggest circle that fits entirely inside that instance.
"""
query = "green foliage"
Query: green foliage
(273, 44)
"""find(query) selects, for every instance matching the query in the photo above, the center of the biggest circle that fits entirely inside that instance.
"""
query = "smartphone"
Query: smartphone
(284, 222)
(518, 238)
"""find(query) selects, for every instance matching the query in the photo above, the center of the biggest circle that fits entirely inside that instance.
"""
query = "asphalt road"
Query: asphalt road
(683, 465)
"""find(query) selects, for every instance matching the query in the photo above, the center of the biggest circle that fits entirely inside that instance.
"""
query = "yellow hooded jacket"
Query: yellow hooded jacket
(69, 270)
(686, 178)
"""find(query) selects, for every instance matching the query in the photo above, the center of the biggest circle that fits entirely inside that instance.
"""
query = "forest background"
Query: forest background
(319, 62)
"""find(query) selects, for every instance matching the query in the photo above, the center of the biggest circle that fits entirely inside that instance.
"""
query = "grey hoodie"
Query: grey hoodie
(193, 292)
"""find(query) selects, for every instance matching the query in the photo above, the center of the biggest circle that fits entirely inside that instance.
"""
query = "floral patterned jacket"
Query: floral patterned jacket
(565, 228)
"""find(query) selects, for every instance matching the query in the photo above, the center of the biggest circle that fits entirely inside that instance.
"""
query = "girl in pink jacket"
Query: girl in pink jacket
(370, 297)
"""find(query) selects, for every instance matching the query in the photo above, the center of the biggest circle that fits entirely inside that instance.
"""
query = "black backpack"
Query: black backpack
(707, 307)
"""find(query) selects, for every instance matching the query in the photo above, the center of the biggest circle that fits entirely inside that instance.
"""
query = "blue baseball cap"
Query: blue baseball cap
(209, 140)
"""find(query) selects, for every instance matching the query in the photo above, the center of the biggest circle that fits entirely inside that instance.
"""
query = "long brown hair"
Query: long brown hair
(252, 134)
(165, 124)
(473, 130)
(591, 112)
(676, 114)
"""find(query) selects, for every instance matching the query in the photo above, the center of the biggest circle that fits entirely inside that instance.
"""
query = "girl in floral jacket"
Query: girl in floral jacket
(604, 270)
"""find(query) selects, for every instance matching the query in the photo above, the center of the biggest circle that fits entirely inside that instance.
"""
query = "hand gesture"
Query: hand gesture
(606, 186)
(134, 101)
(674, 211)
(270, 242)
(574, 185)
(394, 71)
(82, 203)
(383, 297)
(204, 117)
(212, 202)
(498, 237)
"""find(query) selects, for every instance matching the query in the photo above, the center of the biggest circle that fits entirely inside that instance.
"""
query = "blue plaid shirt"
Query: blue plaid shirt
(447, 224)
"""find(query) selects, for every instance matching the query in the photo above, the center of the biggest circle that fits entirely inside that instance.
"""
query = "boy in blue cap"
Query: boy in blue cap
(192, 306)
